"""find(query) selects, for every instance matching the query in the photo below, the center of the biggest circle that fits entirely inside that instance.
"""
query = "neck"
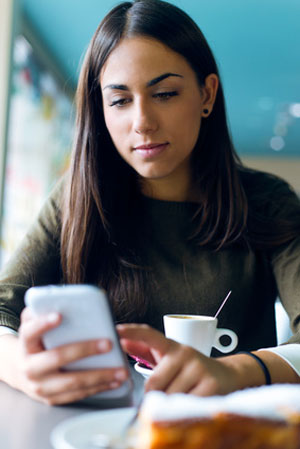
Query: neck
(167, 190)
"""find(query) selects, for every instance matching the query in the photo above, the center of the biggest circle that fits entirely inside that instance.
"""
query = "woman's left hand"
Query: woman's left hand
(176, 367)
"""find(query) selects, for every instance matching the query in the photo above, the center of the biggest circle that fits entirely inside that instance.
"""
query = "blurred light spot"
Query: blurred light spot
(277, 143)
(48, 84)
(265, 103)
(280, 129)
(283, 118)
(294, 110)
(22, 50)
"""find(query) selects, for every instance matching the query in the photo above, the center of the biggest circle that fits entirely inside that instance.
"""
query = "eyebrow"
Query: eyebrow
(150, 83)
(162, 77)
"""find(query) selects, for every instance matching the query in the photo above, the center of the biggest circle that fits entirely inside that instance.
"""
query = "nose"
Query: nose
(145, 120)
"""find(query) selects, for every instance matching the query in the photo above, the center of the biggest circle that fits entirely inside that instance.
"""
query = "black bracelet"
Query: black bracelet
(262, 365)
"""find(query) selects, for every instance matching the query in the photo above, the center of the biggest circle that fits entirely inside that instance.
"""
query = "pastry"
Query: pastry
(256, 418)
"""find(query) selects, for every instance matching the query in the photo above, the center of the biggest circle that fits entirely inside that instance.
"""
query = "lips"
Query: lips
(151, 149)
(150, 146)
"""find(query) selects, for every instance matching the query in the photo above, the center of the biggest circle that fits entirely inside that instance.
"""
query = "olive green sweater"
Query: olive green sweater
(186, 278)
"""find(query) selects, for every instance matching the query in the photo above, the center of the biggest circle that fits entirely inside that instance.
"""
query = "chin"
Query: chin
(154, 173)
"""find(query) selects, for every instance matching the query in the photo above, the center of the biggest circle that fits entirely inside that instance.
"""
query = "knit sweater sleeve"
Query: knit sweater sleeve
(286, 268)
(285, 260)
(276, 209)
(35, 262)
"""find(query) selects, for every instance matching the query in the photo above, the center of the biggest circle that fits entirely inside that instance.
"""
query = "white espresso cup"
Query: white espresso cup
(198, 331)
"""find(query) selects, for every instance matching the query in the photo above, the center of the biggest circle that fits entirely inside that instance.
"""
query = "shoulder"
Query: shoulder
(267, 192)
(57, 192)
(273, 209)
(50, 213)
(257, 182)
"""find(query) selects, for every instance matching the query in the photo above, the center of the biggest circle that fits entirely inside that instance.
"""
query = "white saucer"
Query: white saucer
(145, 372)
(79, 432)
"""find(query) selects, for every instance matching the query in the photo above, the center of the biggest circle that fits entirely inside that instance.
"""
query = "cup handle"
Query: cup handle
(228, 348)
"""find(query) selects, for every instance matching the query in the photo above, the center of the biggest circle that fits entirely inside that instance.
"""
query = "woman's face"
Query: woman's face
(153, 107)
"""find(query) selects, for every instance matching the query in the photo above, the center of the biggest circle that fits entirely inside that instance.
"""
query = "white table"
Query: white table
(27, 424)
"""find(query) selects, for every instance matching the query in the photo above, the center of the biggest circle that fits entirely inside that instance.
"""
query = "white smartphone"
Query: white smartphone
(86, 315)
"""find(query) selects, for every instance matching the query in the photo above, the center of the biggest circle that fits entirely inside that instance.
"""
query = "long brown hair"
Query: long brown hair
(99, 240)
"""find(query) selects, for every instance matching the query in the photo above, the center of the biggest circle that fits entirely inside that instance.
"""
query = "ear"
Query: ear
(209, 90)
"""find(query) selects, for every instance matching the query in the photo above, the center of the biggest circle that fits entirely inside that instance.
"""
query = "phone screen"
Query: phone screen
(86, 315)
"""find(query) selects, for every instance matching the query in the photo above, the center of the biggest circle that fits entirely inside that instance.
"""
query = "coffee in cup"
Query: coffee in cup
(198, 331)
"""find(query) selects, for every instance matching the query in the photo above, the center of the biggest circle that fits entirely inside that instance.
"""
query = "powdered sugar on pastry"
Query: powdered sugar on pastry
(273, 402)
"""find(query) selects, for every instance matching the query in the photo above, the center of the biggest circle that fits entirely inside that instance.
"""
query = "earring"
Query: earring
(205, 112)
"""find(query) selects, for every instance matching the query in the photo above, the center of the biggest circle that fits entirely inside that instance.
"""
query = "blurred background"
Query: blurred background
(256, 44)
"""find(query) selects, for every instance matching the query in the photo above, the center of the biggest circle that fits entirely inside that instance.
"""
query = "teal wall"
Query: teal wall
(256, 44)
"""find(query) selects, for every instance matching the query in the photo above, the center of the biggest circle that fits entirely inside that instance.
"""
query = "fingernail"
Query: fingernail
(114, 385)
(120, 375)
(103, 345)
(52, 317)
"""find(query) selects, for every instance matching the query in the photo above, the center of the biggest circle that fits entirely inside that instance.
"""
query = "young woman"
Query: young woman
(158, 210)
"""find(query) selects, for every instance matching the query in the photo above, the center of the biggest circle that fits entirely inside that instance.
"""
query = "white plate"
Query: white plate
(145, 372)
(78, 432)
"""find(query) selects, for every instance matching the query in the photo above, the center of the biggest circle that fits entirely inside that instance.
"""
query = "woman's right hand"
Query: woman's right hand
(37, 372)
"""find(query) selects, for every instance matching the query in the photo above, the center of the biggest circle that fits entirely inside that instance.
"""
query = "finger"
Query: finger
(26, 314)
(68, 396)
(214, 378)
(177, 359)
(137, 349)
(32, 330)
(60, 383)
(208, 386)
(163, 374)
(131, 347)
(200, 390)
(45, 362)
(146, 334)
(185, 381)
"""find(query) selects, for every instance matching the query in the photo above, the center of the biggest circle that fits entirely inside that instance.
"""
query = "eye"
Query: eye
(120, 102)
(165, 95)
